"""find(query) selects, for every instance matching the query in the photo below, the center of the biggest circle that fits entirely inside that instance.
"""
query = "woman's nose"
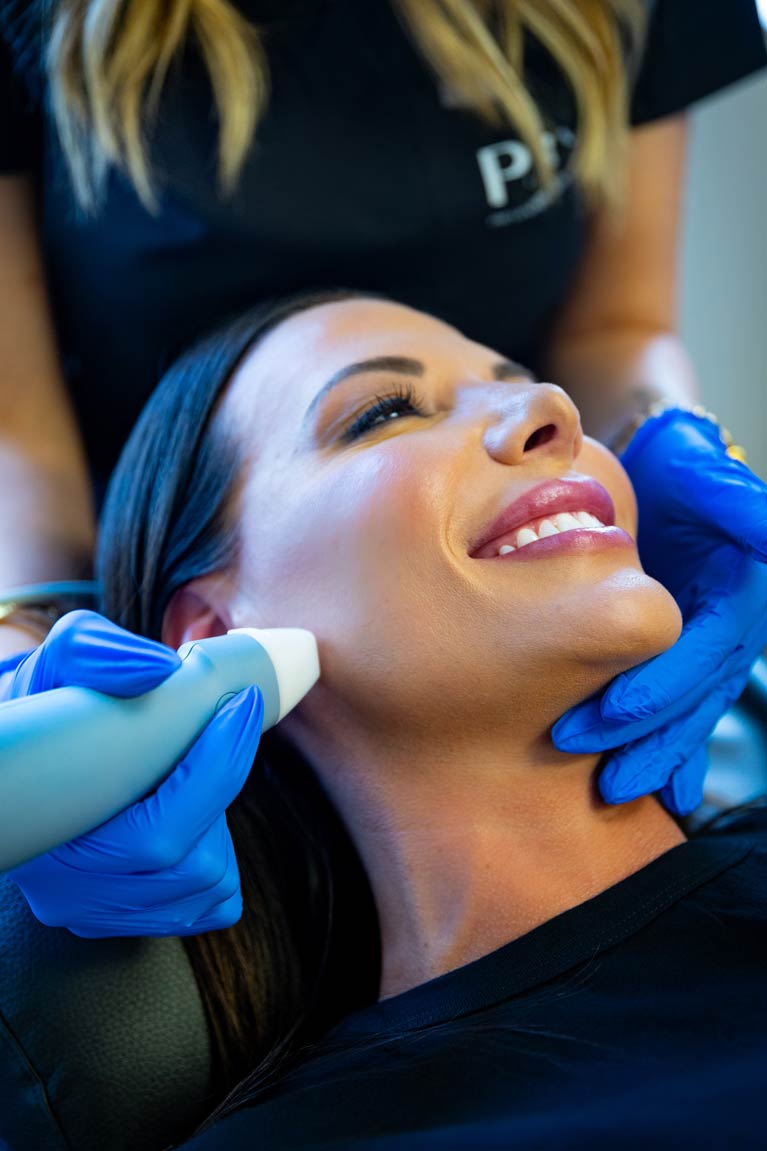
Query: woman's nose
(535, 420)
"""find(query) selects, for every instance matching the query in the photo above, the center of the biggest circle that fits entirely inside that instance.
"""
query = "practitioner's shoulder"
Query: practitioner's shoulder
(21, 30)
(693, 50)
(21, 83)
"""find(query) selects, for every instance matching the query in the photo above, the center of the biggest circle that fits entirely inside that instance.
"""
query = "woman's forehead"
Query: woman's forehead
(292, 362)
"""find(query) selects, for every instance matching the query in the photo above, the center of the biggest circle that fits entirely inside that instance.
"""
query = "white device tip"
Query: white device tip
(295, 659)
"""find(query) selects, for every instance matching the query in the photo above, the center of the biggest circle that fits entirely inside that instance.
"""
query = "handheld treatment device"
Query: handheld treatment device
(71, 758)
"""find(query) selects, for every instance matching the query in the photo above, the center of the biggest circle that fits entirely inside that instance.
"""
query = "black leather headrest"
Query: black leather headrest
(103, 1042)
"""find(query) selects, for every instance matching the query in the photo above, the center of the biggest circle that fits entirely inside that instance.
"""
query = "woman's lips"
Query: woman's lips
(568, 494)
(574, 541)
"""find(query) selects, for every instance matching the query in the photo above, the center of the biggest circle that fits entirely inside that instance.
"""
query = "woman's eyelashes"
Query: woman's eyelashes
(383, 409)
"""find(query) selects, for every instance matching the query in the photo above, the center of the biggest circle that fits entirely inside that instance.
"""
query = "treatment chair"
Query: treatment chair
(104, 1044)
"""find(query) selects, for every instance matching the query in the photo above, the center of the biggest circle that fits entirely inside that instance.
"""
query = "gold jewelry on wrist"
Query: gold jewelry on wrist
(41, 605)
(31, 617)
(733, 450)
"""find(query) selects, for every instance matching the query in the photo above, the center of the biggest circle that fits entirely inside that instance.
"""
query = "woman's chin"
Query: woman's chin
(642, 622)
(626, 636)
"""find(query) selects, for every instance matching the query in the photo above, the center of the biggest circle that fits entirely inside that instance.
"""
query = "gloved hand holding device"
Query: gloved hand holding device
(703, 535)
(164, 865)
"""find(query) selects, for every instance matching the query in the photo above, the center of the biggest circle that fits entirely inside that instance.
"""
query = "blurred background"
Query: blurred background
(723, 305)
(723, 319)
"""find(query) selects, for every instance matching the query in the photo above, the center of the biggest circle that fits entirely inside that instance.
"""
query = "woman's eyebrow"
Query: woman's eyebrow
(404, 366)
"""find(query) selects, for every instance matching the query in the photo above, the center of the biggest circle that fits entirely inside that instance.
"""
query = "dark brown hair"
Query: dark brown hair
(307, 948)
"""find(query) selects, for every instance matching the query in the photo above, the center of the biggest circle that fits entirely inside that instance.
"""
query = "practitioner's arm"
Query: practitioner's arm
(46, 516)
(615, 347)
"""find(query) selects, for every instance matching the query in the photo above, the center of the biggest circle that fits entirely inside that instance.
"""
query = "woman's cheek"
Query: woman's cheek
(341, 548)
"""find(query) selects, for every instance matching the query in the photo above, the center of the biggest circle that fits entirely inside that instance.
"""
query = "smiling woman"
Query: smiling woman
(409, 830)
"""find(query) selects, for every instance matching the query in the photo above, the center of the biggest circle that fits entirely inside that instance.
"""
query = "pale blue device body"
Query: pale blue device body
(71, 758)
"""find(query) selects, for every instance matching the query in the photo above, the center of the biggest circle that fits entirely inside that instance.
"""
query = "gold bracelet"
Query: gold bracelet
(30, 617)
(733, 450)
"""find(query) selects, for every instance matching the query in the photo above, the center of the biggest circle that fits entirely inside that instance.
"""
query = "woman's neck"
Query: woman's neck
(475, 847)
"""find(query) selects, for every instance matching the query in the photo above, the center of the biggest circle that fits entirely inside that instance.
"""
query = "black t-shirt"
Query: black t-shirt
(636, 1020)
(364, 175)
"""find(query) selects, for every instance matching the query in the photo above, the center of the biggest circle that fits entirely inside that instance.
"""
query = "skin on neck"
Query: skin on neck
(480, 841)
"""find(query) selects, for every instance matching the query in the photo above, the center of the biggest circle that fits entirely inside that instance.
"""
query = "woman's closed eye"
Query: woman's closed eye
(383, 408)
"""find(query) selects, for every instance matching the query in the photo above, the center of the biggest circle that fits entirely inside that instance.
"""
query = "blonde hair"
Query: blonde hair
(107, 61)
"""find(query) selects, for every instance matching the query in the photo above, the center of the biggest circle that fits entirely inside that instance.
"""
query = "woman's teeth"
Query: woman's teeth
(554, 525)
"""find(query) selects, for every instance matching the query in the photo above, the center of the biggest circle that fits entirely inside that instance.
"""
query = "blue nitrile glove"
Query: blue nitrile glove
(165, 865)
(703, 535)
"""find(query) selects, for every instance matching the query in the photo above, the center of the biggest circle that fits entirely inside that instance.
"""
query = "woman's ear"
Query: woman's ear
(195, 611)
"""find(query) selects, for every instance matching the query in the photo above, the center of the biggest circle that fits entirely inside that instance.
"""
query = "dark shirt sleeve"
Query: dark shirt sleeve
(695, 48)
(20, 121)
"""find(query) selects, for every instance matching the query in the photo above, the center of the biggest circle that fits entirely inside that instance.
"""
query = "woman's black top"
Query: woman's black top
(364, 175)
(636, 1020)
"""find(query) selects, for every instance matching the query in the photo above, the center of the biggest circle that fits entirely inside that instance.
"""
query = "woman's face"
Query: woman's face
(366, 540)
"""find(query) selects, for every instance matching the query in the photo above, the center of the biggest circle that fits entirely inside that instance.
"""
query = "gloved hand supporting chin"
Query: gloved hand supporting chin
(703, 535)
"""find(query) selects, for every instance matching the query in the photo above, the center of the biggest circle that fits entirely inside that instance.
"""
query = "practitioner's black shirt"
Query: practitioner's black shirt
(636, 1020)
(364, 175)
